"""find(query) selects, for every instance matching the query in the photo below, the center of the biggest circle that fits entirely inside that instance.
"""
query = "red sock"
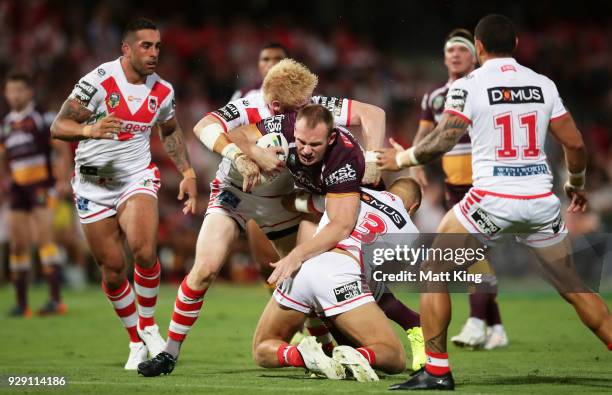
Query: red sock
(368, 354)
(146, 285)
(122, 300)
(437, 363)
(289, 356)
(610, 346)
(187, 308)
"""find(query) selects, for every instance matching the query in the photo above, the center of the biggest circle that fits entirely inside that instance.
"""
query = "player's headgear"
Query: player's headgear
(497, 34)
(460, 37)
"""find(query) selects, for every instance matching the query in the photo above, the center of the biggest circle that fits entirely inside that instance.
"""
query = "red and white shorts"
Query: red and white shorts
(273, 219)
(535, 219)
(97, 197)
(328, 284)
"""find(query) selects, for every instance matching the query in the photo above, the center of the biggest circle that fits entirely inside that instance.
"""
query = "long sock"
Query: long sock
(20, 269)
(437, 363)
(493, 315)
(398, 312)
(289, 356)
(479, 302)
(186, 311)
(50, 260)
(368, 354)
(146, 285)
(317, 328)
(122, 300)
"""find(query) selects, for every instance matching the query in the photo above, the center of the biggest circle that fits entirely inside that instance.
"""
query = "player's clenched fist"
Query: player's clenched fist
(105, 128)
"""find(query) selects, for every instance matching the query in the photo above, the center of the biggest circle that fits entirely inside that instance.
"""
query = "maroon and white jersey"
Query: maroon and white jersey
(253, 109)
(26, 140)
(341, 169)
(381, 213)
(509, 107)
(432, 108)
(106, 90)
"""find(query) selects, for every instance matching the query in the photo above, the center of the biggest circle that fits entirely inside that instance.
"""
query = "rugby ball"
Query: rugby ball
(273, 140)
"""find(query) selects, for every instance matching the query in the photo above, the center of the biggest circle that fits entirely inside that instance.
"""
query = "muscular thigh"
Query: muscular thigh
(105, 242)
(139, 219)
(43, 218)
(277, 322)
(20, 229)
(215, 240)
(366, 325)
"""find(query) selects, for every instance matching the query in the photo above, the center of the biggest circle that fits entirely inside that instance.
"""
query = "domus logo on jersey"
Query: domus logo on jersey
(515, 95)
(343, 174)
(389, 211)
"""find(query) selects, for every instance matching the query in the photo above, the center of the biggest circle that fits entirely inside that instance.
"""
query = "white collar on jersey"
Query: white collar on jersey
(499, 61)
(19, 115)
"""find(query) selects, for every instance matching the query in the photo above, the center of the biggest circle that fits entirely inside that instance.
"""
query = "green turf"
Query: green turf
(550, 351)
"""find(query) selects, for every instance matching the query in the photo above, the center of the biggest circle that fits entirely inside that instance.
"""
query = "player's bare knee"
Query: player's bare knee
(113, 279)
(145, 255)
(203, 273)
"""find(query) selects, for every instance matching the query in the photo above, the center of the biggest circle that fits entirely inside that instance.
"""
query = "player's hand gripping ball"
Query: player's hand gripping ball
(277, 146)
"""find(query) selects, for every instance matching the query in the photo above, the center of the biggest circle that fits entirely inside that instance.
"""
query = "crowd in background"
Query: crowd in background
(208, 55)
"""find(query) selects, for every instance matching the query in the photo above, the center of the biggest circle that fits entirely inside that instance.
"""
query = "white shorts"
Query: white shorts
(536, 219)
(328, 284)
(98, 197)
(273, 219)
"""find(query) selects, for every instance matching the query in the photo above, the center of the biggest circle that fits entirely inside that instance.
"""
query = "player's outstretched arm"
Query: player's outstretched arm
(342, 211)
(418, 172)
(565, 131)
(68, 124)
(444, 137)
(173, 140)
(372, 121)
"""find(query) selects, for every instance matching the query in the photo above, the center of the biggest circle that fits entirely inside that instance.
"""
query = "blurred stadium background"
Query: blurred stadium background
(387, 53)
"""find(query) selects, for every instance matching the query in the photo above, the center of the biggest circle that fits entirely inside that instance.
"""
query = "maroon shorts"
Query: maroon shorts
(26, 197)
(454, 193)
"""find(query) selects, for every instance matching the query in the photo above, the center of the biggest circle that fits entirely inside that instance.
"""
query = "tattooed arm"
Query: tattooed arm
(69, 125)
(173, 140)
(444, 137)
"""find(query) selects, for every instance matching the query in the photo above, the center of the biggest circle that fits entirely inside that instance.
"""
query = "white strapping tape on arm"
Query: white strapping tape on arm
(209, 135)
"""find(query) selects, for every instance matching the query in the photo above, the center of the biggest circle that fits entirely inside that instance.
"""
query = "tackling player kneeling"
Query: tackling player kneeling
(333, 284)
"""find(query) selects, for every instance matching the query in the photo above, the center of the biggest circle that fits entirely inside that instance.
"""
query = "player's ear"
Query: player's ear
(413, 208)
(332, 137)
(125, 48)
(276, 107)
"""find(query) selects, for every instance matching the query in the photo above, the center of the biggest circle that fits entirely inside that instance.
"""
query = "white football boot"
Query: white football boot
(472, 334)
(355, 362)
(496, 337)
(138, 354)
(154, 341)
(317, 362)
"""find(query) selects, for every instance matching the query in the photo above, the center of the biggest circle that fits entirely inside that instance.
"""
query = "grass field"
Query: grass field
(550, 351)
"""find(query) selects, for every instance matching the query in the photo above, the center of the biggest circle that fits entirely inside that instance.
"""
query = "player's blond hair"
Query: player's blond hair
(290, 83)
